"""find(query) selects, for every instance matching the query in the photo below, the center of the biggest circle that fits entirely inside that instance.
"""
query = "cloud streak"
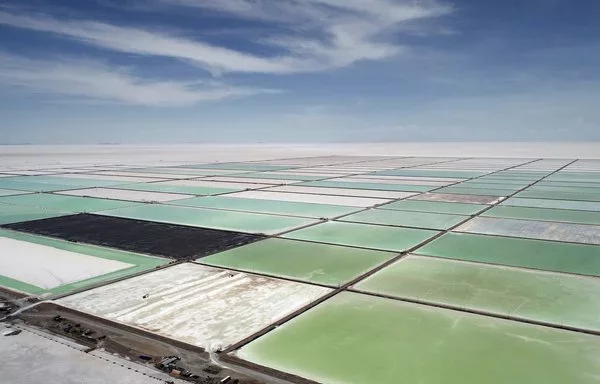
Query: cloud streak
(332, 34)
(99, 82)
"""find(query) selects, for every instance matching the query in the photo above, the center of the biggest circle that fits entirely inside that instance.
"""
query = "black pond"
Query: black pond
(166, 240)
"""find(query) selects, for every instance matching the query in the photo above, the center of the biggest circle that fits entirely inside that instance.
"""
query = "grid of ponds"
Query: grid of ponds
(335, 269)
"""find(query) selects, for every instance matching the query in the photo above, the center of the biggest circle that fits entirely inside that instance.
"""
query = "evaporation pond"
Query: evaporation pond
(435, 206)
(168, 240)
(312, 262)
(38, 265)
(207, 307)
(538, 254)
(211, 218)
(406, 218)
(359, 339)
(549, 297)
(363, 235)
(268, 206)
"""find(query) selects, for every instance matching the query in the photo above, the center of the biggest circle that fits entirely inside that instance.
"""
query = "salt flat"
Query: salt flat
(34, 358)
(26, 156)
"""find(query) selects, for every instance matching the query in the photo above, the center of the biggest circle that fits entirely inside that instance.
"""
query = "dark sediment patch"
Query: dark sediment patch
(166, 240)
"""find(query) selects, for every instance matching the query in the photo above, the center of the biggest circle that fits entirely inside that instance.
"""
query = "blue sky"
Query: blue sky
(201, 71)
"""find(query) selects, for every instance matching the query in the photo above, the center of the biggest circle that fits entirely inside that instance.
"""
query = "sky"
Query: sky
(254, 71)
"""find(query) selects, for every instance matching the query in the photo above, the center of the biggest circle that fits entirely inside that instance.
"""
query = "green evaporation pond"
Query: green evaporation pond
(512, 176)
(581, 179)
(176, 171)
(210, 218)
(504, 180)
(10, 213)
(567, 184)
(545, 214)
(518, 175)
(10, 192)
(538, 254)
(363, 235)
(406, 218)
(65, 203)
(559, 195)
(472, 184)
(268, 206)
(524, 173)
(432, 173)
(369, 186)
(5, 183)
(549, 297)
(68, 181)
(311, 262)
(277, 176)
(475, 191)
(357, 339)
(557, 204)
(575, 176)
(545, 187)
(501, 182)
(435, 206)
(185, 189)
(139, 263)
(240, 166)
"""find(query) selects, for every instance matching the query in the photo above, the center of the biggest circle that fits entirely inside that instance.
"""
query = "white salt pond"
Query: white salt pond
(48, 267)
(207, 307)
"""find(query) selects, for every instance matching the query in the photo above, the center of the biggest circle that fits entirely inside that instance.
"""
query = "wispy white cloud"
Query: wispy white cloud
(323, 11)
(331, 33)
(93, 81)
(144, 42)
(351, 30)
